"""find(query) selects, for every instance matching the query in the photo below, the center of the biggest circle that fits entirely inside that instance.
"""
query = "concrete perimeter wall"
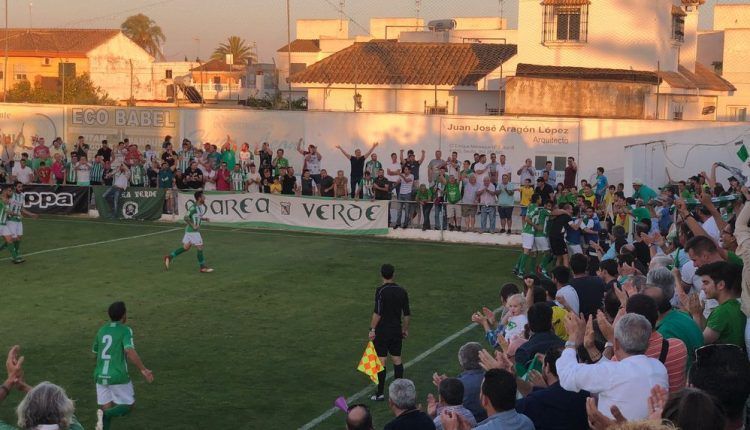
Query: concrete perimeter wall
(683, 148)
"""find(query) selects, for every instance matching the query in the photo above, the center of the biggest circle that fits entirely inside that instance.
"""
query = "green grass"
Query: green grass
(267, 341)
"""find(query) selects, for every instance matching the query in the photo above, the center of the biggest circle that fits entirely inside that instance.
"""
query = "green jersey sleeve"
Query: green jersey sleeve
(127, 339)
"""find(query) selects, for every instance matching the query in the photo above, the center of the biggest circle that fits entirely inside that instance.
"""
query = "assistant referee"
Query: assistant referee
(387, 330)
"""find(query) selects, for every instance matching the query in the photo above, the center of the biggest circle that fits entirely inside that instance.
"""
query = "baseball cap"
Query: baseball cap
(637, 182)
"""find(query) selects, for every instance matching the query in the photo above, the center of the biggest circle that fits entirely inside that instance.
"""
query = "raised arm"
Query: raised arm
(346, 154)
(421, 159)
(374, 145)
(299, 147)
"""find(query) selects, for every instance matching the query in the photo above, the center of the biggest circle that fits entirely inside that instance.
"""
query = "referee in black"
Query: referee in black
(387, 331)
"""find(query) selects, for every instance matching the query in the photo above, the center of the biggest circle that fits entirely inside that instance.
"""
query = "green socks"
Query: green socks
(177, 252)
(117, 411)
(521, 263)
(201, 259)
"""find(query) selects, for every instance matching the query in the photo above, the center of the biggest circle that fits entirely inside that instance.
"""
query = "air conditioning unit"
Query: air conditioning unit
(442, 24)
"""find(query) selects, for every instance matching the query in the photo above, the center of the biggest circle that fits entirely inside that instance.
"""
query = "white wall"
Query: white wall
(731, 16)
(687, 147)
(110, 68)
(622, 34)
(317, 28)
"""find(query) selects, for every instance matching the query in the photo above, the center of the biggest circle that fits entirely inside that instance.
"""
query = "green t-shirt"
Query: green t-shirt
(109, 346)
(281, 162)
(227, 156)
(452, 193)
(531, 212)
(678, 324)
(734, 259)
(424, 196)
(640, 214)
(215, 158)
(542, 216)
(72, 174)
(195, 215)
(728, 320)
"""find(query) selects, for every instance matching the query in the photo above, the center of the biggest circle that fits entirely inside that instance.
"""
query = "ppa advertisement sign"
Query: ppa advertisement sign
(294, 213)
(54, 199)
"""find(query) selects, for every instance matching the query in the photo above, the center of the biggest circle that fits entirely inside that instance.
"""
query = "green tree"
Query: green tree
(78, 90)
(242, 52)
(145, 33)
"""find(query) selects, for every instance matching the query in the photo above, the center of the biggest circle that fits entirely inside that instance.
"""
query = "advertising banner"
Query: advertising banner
(56, 199)
(142, 204)
(142, 126)
(293, 213)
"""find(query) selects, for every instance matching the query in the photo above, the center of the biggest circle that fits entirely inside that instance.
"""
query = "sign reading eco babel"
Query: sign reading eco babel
(294, 213)
(142, 126)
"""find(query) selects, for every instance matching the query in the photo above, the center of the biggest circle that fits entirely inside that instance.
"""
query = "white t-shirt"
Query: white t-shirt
(406, 187)
(122, 179)
(515, 327)
(571, 298)
(396, 167)
(480, 176)
(208, 185)
(83, 173)
(24, 175)
(486, 198)
(503, 169)
(712, 229)
(254, 187)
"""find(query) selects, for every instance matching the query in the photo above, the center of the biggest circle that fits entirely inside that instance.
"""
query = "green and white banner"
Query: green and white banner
(134, 203)
(293, 213)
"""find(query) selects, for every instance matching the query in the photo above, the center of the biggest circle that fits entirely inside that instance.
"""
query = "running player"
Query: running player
(15, 215)
(541, 238)
(192, 237)
(527, 236)
(113, 347)
(7, 237)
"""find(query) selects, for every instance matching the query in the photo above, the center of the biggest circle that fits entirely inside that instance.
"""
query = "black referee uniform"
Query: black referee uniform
(391, 303)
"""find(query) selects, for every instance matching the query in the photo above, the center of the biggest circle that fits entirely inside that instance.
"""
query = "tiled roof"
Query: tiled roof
(703, 79)
(408, 63)
(302, 45)
(584, 73)
(217, 66)
(565, 2)
(47, 42)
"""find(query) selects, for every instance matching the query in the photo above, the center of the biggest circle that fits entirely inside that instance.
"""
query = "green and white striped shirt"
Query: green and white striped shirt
(3, 213)
(195, 215)
(238, 181)
(185, 157)
(137, 172)
(71, 174)
(15, 207)
(97, 172)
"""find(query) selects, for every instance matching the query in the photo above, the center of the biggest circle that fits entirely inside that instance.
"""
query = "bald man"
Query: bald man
(359, 418)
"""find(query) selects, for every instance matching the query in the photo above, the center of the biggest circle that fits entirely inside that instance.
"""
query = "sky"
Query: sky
(196, 27)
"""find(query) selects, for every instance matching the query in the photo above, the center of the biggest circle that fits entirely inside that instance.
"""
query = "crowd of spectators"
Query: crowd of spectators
(642, 325)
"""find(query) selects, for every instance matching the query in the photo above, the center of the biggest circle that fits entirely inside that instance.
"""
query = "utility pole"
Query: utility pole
(5, 70)
(289, 53)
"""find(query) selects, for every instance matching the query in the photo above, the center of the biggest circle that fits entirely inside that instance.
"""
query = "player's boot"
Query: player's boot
(99, 419)
(205, 269)
(167, 261)
(377, 398)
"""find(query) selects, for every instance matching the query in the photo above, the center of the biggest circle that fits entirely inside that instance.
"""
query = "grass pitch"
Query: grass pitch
(268, 341)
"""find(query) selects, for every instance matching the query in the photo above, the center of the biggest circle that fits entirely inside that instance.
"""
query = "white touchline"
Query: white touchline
(327, 414)
(83, 245)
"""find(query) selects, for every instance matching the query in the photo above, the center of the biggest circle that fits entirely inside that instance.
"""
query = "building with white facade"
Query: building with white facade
(636, 59)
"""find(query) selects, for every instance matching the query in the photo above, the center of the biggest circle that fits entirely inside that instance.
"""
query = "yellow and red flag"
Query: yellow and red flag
(370, 364)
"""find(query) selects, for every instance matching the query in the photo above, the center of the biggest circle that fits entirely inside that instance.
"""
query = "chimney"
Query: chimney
(689, 48)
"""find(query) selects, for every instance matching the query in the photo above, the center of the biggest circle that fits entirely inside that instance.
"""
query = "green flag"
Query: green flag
(743, 154)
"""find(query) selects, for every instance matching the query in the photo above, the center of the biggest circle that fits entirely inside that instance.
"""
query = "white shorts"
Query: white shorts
(453, 211)
(527, 241)
(574, 249)
(121, 394)
(5, 231)
(541, 243)
(15, 228)
(193, 238)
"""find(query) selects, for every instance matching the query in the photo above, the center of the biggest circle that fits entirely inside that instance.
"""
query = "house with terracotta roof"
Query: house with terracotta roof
(217, 80)
(411, 77)
(43, 55)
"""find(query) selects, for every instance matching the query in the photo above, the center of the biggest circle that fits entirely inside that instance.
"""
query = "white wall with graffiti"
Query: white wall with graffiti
(684, 147)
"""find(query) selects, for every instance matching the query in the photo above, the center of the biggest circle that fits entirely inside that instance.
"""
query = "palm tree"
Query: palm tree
(242, 52)
(145, 33)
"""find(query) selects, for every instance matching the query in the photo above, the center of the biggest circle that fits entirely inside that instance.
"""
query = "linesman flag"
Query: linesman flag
(370, 364)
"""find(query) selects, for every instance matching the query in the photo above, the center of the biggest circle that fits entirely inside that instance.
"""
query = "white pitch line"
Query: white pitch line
(327, 414)
(83, 245)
